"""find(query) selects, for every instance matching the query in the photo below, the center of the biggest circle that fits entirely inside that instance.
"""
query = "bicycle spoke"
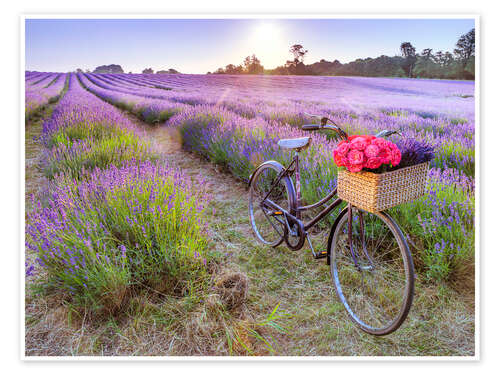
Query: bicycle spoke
(374, 293)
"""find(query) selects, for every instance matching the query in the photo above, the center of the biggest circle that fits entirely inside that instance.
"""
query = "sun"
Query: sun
(266, 32)
(267, 42)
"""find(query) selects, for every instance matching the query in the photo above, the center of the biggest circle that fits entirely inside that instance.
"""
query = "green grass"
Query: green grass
(79, 131)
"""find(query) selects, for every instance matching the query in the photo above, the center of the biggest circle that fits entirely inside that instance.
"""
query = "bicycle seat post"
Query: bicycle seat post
(297, 183)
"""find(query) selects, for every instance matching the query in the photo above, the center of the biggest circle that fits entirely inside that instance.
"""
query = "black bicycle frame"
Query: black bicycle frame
(297, 208)
(294, 216)
(294, 167)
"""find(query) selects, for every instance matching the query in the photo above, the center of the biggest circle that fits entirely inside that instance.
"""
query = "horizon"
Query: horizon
(196, 46)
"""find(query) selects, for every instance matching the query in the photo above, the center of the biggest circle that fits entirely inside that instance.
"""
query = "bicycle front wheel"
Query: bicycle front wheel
(373, 273)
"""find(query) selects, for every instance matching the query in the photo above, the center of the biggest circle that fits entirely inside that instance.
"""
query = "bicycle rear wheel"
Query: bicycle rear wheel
(268, 225)
(374, 278)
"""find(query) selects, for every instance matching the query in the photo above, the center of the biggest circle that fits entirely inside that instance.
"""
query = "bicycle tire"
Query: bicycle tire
(344, 284)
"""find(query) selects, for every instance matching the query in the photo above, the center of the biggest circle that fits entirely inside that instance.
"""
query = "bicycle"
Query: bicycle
(370, 262)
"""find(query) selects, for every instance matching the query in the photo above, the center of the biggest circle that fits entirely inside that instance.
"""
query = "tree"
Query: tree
(79, 70)
(170, 71)
(466, 47)
(148, 71)
(426, 65)
(109, 69)
(438, 57)
(427, 53)
(324, 67)
(252, 65)
(408, 51)
(231, 69)
(298, 52)
(296, 66)
(280, 70)
(448, 59)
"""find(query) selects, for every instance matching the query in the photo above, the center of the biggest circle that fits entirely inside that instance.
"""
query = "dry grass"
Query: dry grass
(253, 280)
(35, 182)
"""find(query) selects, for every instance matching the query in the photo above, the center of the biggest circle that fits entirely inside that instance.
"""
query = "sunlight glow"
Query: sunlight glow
(269, 45)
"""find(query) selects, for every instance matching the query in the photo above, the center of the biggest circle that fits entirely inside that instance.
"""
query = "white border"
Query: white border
(254, 15)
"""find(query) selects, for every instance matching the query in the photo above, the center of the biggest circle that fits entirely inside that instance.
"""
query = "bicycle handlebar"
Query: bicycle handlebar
(324, 125)
(311, 127)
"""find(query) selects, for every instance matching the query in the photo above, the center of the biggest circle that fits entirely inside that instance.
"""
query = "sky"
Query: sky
(201, 45)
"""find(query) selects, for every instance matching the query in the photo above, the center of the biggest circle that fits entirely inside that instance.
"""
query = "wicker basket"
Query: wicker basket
(377, 192)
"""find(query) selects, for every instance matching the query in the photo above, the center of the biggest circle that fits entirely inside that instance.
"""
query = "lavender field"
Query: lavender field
(114, 218)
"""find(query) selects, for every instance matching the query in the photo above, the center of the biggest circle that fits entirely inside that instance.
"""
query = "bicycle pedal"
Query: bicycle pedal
(321, 254)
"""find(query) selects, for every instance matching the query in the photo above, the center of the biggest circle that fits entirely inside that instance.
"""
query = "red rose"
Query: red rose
(385, 155)
(366, 151)
(343, 148)
(355, 157)
(355, 168)
(338, 159)
(373, 163)
(368, 138)
(359, 144)
(396, 157)
(380, 142)
(372, 150)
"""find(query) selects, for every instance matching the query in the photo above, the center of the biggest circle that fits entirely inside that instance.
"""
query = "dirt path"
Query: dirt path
(34, 179)
(441, 321)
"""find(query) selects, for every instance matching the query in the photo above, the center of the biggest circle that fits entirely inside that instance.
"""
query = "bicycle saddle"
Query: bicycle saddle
(295, 143)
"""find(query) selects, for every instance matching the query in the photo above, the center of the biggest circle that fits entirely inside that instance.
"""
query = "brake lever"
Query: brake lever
(309, 114)
(323, 119)
(386, 133)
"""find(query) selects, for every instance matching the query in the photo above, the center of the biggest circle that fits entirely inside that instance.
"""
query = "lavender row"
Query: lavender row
(85, 132)
(46, 91)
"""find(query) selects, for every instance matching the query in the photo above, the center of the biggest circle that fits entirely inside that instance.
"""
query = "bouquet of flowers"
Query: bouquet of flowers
(399, 171)
(379, 155)
(366, 152)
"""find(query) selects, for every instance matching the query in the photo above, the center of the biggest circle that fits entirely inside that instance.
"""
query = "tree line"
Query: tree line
(427, 64)
(250, 65)
(117, 69)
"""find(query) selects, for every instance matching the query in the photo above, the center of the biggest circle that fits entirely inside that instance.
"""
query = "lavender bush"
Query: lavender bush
(122, 228)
